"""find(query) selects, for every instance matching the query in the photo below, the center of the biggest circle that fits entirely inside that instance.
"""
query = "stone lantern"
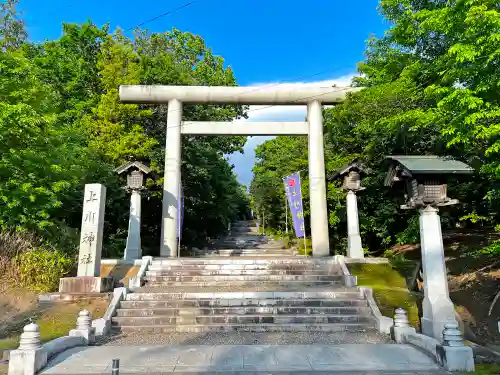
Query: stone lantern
(136, 173)
(424, 179)
(351, 175)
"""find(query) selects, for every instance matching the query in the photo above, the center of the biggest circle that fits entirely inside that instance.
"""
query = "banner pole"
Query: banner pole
(179, 221)
(302, 206)
(286, 213)
(264, 221)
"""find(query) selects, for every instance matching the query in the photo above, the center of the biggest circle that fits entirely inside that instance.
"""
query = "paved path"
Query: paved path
(268, 359)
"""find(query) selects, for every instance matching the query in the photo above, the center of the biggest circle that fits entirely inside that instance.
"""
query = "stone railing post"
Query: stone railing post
(401, 325)
(29, 358)
(455, 356)
(84, 327)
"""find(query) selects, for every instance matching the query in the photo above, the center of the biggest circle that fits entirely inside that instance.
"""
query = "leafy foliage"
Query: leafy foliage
(431, 87)
(62, 126)
(54, 263)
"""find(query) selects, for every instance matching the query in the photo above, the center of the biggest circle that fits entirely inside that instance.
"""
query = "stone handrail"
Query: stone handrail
(427, 344)
(103, 325)
(136, 281)
(31, 356)
(59, 345)
(348, 279)
(384, 323)
(451, 353)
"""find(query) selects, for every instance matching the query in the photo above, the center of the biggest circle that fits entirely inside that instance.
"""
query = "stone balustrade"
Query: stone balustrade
(31, 356)
(452, 354)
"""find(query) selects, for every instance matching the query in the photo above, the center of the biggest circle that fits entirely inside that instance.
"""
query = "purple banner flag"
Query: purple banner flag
(293, 193)
(180, 206)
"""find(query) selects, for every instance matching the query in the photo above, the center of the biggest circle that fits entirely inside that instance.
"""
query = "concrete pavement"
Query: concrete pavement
(251, 359)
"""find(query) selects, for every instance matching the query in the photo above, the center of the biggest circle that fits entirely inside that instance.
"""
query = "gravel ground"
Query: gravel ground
(246, 338)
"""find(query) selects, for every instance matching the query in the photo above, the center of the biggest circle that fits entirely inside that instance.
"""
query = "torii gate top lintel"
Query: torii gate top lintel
(251, 95)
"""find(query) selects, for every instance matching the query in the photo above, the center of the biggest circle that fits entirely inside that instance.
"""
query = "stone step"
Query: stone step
(243, 278)
(252, 243)
(331, 327)
(241, 319)
(238, 272)
(244, 310)
(237, 283)
(236, 254)
(255, 252)
(342, 293)
(244, 261)
(250, 236)
(334, 269)
(241, 302)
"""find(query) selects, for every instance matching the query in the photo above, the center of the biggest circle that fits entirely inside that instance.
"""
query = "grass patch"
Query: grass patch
(485, 369)
(304, 248)
(389, 289)
(54, 321)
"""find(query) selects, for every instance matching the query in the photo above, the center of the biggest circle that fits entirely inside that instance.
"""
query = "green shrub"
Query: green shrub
(304, 250)
(287, 243)
(13, 243)
(492, 250)
(40, 269)
(412, 232)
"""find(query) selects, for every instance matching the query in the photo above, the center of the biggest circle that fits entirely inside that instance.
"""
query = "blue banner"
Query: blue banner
(180, 212)
(293, 193)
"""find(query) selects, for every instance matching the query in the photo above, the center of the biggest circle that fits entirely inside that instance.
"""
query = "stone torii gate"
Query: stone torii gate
(175, 96)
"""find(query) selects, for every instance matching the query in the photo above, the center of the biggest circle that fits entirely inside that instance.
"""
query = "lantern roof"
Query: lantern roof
(355, 164)
(407, 166)
(133, 165)
(430, 164)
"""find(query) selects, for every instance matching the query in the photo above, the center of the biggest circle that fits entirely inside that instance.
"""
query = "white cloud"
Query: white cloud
(290, 112)
(244, 162)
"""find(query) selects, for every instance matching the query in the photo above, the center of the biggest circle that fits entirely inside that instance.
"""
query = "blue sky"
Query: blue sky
(264, 41)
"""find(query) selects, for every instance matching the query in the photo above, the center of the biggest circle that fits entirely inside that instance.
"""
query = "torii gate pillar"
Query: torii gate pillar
(317, 184)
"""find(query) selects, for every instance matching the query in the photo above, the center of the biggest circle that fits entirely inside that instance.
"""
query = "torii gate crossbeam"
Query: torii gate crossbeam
(175, 96)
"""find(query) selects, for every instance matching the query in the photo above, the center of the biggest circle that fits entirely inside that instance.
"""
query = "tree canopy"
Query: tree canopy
(431, 87)
(62, 126)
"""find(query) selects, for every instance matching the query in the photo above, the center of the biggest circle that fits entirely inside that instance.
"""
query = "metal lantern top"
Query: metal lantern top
(351, 174)
(424, 177)
(135, 174)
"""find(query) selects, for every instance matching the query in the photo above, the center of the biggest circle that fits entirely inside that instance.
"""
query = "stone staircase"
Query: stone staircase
(279, 293)
(245, 240)
(260, 295)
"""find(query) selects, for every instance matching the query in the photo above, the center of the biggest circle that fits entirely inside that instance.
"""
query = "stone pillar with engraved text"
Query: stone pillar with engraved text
(89, 258)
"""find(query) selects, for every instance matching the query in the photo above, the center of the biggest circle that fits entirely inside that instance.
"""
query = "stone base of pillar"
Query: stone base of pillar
(434, 327)
(24, 362)
(132, 254)
(86, 284)
(354, 247)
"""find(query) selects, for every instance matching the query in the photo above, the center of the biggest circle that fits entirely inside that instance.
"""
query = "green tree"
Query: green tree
(12, 31)
(430, 88)
(62, 125)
